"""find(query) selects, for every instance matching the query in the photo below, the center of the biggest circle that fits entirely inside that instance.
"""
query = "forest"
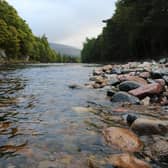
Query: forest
(136, 31)
(18, 43)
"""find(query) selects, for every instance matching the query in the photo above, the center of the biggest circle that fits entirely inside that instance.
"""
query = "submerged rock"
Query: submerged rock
(125, 97)
(127, 161)
(123, 139)
(129, 85)
(143, 126)
(147, 90)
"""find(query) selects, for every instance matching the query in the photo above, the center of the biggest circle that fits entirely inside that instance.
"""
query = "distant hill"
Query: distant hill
(66, 50)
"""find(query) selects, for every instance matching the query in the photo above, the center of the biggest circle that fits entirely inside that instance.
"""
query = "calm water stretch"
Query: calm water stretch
(41, 124)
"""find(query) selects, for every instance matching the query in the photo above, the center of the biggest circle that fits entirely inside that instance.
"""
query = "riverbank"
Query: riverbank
(136, 124)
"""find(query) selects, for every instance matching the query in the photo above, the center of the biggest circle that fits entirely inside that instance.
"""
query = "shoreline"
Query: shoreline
(139, 121)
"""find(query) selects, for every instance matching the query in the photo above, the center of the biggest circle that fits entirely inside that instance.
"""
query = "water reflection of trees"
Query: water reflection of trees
(10, 87)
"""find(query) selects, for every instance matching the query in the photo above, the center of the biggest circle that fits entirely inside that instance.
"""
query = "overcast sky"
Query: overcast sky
(65, 21)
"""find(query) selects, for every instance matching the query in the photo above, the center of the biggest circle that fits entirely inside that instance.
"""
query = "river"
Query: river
(39, 124)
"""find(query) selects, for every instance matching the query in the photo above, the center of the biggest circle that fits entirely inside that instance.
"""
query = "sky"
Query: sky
(65, 21)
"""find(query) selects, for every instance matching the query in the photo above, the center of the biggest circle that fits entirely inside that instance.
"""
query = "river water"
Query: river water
(39, 124)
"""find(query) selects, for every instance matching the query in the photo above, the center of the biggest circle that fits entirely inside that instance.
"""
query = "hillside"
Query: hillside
(17, 41)
(66, 50)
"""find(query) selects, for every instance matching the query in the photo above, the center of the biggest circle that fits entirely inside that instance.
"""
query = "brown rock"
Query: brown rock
(123, 139)
(121, 110)
(146, 90)
(143, 126)
(107, 68)
(132, 78)
(127, 161)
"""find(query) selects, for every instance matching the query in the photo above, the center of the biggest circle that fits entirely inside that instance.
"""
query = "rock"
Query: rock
(75, 86)
(160, 81)
(145, 75)
(147, 90)
(146, 101)
(98, 79)
(159, 148)
(107, 68)
(120, 110)
(123, 139)
(97, 72)
(132, 78)
(110, 93)
(116, 71)
(113, 81)
(127, 161)
(130, 119)
(125, 97)
(129, 85)
(143, 126)
(163, 61)
(165, 79)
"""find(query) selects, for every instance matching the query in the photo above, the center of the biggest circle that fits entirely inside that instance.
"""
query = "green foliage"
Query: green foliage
(18, 41)
(137, 30)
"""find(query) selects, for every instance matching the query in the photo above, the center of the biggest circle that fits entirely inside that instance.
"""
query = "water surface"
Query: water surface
(38, 124)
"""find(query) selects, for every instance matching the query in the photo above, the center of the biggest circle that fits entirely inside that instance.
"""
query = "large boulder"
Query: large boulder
(123, 139)
(143, 126)
(125, 97)
(129, 85)
(147, 90)
(127, 161)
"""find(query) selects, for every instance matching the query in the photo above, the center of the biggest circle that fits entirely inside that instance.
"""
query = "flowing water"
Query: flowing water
(39, 124)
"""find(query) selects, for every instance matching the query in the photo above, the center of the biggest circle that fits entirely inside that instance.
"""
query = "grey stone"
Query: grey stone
(125, 97)
(129, 85)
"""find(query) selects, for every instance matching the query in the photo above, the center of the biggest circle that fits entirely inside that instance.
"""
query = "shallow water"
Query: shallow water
(39, 126)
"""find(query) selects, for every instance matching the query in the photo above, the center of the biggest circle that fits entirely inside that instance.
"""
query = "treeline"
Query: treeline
(137, 31)
(17, 40)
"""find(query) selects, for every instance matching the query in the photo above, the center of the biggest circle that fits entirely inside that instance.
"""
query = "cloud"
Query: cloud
(65, 21)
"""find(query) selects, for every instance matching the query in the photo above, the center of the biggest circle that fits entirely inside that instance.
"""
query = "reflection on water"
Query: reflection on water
(38, 124)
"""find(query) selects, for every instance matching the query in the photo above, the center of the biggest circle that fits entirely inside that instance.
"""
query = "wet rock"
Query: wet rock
(113, 81)
(130, 119)
(116, 71)
(143, 126)
(110, 93)
(123, 139)
(160, 81)
(125, 97)
(147, 90)
(107, 68)
(132, 78)
(98, 79)
(75, 86)
(156, 74)
(165, 79)
(129, 85)
(146, 101)
(97, 72)
(127, 161)
(145, 75)
(163, 60)
(120, 110)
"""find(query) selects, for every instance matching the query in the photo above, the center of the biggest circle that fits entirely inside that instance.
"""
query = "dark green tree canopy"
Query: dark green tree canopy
(137, 31)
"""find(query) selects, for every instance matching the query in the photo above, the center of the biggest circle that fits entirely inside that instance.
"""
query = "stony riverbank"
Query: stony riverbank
(137, 122)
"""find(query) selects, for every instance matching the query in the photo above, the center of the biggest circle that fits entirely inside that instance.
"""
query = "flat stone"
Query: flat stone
(147, 90)
(123, 139)
(127, 161)
(125, 97)
(129, 85)
(132, 78)
(144, 126)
